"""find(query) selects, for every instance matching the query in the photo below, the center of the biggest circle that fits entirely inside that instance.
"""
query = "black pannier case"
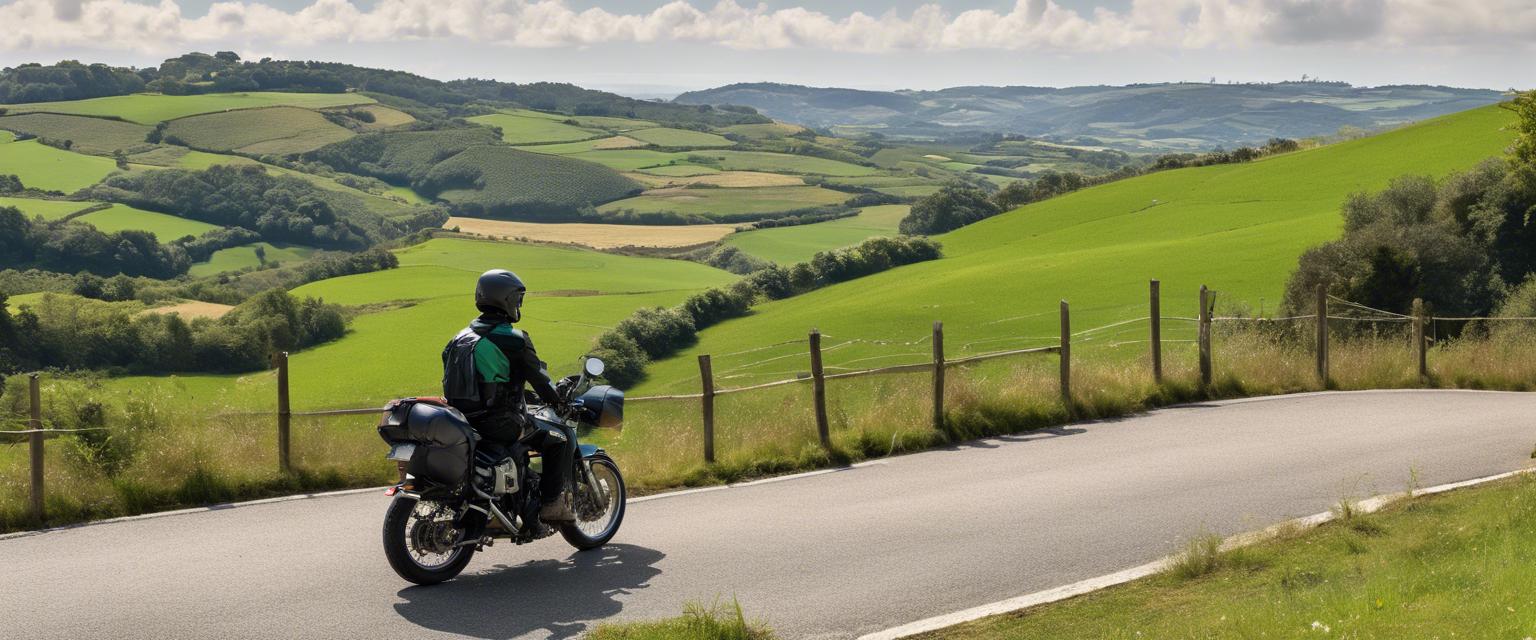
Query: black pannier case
(445, 442)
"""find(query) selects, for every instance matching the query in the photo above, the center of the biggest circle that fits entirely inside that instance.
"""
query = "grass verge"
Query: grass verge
(698, 622)
(1449, 565)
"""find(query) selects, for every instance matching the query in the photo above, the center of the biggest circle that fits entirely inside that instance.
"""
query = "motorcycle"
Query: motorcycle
(456, 498)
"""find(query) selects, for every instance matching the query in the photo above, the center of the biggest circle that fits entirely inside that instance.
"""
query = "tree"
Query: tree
(953, 206)
(1524, 106)
(88, 286)
(1013, 195)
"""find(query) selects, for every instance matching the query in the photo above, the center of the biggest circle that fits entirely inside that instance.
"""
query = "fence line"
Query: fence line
(818, 374)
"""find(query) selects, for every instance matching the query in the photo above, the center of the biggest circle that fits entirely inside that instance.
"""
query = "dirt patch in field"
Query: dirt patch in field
(192, 309)
(729, 179)
(597, 236)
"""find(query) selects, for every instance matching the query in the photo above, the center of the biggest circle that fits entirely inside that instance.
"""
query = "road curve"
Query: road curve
(833, 555)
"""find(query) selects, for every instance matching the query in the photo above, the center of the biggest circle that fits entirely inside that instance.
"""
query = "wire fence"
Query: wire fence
(801, 361)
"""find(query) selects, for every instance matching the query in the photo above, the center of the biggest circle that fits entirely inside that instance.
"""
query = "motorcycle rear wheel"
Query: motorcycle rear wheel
(419, 543)
(596, 522)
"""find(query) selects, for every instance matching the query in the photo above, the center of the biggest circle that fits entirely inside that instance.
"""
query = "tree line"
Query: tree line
(279, 208)
(72, 333)
(225, 72)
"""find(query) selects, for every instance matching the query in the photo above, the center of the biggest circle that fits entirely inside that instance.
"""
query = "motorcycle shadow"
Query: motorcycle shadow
(556, 597)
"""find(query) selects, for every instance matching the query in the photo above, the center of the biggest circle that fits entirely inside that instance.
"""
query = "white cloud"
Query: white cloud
(1040, 25)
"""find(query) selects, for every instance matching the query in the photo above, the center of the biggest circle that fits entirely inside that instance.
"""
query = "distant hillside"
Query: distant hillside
(1238, 228)
(1135, 117)
(225, 72)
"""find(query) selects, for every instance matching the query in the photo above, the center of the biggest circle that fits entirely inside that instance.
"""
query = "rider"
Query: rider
(504, 361)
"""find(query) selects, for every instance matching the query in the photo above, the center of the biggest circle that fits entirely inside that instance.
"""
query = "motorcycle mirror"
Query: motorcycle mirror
(594, 366)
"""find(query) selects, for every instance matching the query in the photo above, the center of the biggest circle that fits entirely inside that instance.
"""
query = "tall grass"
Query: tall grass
(163, 452)
(698, 622)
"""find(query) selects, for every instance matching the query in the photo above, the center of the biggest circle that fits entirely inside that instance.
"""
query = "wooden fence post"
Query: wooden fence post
(819, 385)
(938, 375)
(1322, 334)
(284, 414)
(1418, 338)
(1206, 368)
(1157, 332)
(1066, 357)
(707, 378)
(35, 444)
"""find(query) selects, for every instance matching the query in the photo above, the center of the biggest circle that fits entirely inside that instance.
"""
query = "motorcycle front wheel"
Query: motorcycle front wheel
(421, 541)
(599, 510)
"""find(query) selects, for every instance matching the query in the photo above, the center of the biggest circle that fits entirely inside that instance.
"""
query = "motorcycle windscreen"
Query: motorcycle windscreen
(603, 406)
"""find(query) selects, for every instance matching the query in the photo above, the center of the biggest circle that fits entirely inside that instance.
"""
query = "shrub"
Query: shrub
(624, 359)
(954, 206)
(716, 305)
(658, 331)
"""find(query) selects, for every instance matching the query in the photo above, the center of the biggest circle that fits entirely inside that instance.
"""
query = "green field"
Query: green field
(582, 146)
(680, 170)
(236, 258)
(574, 295)
(528, 130)
(148, 108)
(406, 194)
(6, 136)
(667, 137)
(276, 131)
(764, 131)
(1238, 228)
(166, 228)
(631, 159)
(97, 136)
(782, 163)
(612, 123)
(722, 202)
(513, 180)
(48, 209)
(790, 245)
(43, 167)
(911, 191)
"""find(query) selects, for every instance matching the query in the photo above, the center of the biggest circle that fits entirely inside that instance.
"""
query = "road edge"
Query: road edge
(1082, 587)
(682, 491)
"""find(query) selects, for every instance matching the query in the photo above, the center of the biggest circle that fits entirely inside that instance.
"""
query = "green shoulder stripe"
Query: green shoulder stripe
(491, 363)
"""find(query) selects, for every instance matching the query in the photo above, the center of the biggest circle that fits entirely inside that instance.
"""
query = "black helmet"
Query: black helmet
(500, 291)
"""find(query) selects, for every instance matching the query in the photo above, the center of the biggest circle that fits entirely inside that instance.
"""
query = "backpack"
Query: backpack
(462, 385)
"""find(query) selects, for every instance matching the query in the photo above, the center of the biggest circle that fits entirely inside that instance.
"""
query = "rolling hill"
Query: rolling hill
(1135, 117)
(1238, 228)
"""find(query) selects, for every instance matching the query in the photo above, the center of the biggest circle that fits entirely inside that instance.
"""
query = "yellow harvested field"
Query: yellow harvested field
(383, 117)
(617, 142)
(729, 179)
(192, 309)
(597, 236)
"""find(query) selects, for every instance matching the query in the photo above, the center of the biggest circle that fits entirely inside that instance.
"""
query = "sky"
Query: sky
(659, 47)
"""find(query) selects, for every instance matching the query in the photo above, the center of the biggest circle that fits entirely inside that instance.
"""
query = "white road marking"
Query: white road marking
(1090, 585)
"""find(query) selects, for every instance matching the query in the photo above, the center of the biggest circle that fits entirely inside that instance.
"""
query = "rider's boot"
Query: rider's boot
(558, 510)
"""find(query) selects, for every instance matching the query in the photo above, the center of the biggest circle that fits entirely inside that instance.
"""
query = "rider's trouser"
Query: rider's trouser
(557, 445)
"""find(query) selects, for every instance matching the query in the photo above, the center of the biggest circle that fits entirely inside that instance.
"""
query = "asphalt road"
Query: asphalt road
(833, 555)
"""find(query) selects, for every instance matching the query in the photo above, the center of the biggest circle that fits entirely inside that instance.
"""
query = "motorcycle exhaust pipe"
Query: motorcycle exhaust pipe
(502, 518)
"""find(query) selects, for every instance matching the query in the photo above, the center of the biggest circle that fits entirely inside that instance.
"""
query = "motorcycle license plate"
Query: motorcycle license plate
(401, 452)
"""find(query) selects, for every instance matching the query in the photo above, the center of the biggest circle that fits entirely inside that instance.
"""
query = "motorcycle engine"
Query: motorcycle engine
(499, 479)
